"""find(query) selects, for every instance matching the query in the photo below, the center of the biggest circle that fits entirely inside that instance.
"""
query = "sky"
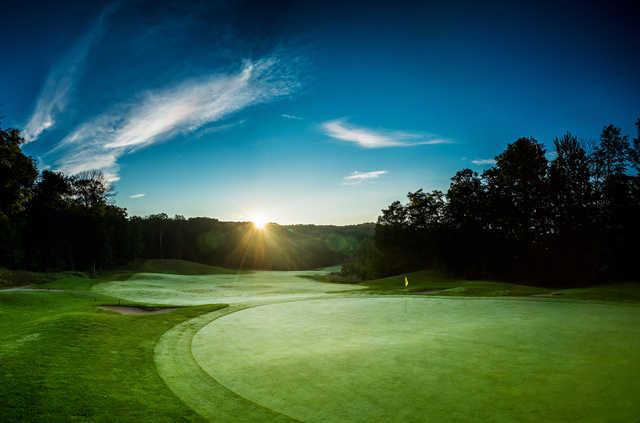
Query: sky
(305, 112)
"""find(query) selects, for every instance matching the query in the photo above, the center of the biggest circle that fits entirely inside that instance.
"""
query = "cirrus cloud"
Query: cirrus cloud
(59, 83)
(341, 130)
(292, 117)
(357, 177)
(157, 115)
(483, 162)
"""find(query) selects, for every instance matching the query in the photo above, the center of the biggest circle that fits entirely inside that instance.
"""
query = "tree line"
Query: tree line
(572, 220)
(52, 221)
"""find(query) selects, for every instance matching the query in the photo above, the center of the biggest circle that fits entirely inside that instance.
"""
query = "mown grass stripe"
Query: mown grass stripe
(189, 382)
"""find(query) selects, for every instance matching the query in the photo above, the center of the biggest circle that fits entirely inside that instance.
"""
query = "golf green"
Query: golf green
(430, 359)
(250, 288)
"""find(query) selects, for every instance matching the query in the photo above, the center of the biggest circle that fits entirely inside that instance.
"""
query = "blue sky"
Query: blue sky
(305, 112)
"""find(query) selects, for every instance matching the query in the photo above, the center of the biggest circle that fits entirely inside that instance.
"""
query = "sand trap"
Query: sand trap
(136, 310)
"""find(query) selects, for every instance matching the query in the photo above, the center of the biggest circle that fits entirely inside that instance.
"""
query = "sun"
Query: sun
(259, 222)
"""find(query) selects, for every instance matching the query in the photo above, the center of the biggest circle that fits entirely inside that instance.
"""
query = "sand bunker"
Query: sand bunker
(136, 310)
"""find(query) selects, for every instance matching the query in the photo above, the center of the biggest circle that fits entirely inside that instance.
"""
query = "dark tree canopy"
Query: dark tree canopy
(17, 173)
(570, 221)
(58, 222)
(573, 220)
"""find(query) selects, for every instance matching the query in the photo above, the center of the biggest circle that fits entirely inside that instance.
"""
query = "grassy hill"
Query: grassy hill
(10, 278)
(177, 267)
(429, 282)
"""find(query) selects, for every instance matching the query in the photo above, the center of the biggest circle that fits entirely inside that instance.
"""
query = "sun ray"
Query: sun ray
(259, 221)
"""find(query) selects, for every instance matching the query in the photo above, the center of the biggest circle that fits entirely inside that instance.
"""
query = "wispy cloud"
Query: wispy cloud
(483, 162)
(359, 177)
(134, 196)
(377, 138)
(59, 83)
(219, 128)
(293, 117)
(182, 108)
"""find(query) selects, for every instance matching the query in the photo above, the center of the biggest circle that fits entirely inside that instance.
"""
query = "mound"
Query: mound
(247, 288)
(178, 267)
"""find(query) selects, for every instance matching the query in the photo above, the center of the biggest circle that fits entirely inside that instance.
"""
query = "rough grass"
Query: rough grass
(63, 359)
(427, 282)
(624, 292)
(431, 359)
(12, 278)
(435, 283)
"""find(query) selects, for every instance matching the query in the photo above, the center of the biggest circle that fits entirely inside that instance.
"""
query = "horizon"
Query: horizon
(306, 113)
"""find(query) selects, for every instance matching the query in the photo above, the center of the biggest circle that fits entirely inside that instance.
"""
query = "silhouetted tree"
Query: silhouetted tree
(517, 189)
(17, 174)
(395, 215)
(425, 210)
(49, 228)
(465, 200)
(91, 189)
(572, 220)
(569, 185)
(466, 220)
(634, 154)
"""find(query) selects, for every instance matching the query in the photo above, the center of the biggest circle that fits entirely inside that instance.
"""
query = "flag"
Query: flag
(406, 282)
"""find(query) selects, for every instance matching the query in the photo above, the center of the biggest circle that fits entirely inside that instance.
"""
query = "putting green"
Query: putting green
(430, 359)
(244, 288)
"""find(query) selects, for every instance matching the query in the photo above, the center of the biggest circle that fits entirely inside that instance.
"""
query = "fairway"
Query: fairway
(430, 359)
(253, 287)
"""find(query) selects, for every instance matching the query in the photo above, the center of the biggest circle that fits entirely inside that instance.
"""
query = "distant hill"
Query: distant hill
(240, 245)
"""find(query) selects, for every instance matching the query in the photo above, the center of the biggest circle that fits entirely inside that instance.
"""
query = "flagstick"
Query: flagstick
(406, 284)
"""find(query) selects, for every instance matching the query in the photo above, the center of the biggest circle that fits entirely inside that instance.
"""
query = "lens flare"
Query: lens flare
(259, 222)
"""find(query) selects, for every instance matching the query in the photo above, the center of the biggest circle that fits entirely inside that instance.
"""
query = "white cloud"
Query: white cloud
(55, 93)
(359, 177)
(377, 138)
(481, 162)
(134, 196)
(294, 117)
(218, 128)
(183, 108)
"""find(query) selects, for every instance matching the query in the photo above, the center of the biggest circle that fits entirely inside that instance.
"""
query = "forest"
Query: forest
(570, 217)
(51, 221)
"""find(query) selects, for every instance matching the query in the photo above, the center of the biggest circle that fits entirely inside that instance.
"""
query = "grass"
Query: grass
(435, 283)
(289, 347)
(64, 359)
(11, 278)
(177, 366)
(430, 359)
(180, 267)
(432, 283)
(620, 292)
(246, 288)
